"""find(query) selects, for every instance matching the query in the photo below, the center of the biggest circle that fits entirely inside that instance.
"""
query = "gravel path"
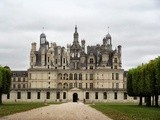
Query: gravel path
(65, 111)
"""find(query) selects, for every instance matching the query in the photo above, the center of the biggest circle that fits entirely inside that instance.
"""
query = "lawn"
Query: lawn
(128, 111)
(11, 108)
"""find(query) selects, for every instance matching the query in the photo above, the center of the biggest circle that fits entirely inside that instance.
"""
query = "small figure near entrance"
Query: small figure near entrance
(77, 100)
(84, 101)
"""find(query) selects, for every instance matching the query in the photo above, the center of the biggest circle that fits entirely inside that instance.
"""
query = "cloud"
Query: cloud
(133, 24)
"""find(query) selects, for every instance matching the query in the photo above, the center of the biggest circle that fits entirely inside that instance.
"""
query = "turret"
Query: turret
(119, 49)
(83, 45)
(76, 34)
(33, 46)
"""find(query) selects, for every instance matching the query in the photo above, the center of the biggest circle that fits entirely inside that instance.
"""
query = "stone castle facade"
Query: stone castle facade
(67, 74)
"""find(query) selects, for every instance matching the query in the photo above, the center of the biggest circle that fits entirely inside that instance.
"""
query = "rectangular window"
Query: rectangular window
(125, 96)
(8, 96)
(115, 67)
(91, 60)
(75, 84)
(91, 76)
(80, 85)
(58, 95)
(117, 85)
(86, 85)
(38, 95)
(63, 67)
(18, 95)
(24, 85)
(86, 76)
(19, 79)
(28, 95)
(104, 95)
(112, 76)
(112, 85)
(14, 79)
(23, 79)
(48, 95)
(87, 95)
(56, 61)
(70, 85)
(115, 60)
(14, 86)
(96, 95)
(117, 76)
(64, 95)
(91, 85)
(115, 95)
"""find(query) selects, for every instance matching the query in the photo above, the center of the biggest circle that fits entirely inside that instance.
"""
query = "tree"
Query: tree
(5, 81)
(157, 82)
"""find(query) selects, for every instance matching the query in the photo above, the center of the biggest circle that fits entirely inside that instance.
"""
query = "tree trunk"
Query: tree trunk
(0, 98)
(148, 102)
(140, 100)
(153, 100)
(156, 100)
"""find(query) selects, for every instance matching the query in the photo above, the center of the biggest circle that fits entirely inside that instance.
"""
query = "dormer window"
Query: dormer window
(91, 60)
(115, 60)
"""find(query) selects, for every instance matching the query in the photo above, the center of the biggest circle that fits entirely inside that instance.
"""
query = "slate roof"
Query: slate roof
(19, 73)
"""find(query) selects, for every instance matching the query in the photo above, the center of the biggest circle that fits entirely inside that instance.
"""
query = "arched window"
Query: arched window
(75, 76)
(80, 76)
(65, 76)
(65, 85)
(59, 85)
(71, 76)
(91, 67)
(59, 76)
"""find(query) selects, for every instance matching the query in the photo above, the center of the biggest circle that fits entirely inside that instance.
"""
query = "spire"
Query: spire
(108, 36)
(75, 28)
(75, 35)
(42, 29)
(108, 29)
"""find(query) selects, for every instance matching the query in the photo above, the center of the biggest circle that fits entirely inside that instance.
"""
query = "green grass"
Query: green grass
(128, 111)
(11, 108)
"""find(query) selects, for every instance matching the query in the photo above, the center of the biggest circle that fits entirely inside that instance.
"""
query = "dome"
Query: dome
(108, 36)
(42, 35)
(51, 49)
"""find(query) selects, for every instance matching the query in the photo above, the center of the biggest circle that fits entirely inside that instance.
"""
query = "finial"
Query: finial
(75, 28)
(108, 29)
(42, 29)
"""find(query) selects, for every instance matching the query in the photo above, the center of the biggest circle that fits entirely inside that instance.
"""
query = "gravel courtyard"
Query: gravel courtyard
(65, 111)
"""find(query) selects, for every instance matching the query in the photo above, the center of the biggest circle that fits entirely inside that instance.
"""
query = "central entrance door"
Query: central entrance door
(75, 97)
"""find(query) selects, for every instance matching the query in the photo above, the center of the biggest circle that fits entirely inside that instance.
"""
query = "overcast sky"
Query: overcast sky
(134, 24)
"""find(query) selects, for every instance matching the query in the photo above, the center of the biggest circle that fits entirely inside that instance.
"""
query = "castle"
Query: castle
(69, 74)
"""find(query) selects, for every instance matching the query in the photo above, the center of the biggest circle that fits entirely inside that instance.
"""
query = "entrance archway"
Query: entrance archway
(75, 97)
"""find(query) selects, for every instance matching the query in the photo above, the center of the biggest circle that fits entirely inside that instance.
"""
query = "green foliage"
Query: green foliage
(128, 111)
(5, 81)
(144, 80)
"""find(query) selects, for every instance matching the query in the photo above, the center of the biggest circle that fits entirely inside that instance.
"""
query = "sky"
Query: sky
(134, 24)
